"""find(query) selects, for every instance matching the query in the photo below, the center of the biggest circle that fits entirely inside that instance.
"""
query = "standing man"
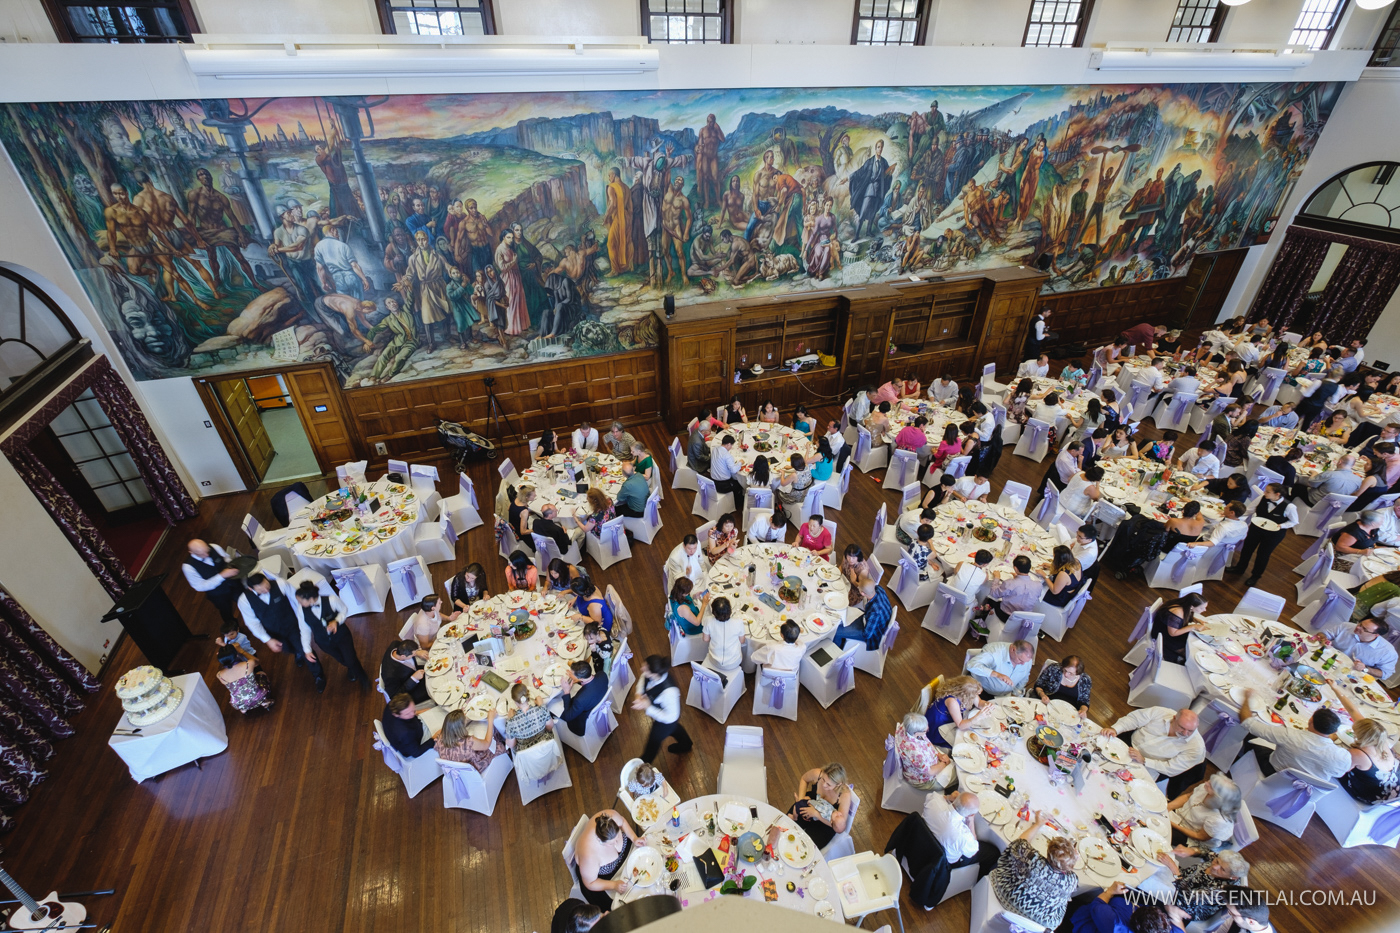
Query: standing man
(617, 220)
(291, 249)
(660, 698)
(765, 191)
(266, 607)
(336, 263)
(131, 240)
(329, 159)
(473, 245)
(164, 212)
(1078, 210)
(324, 614)
(869, 184)
(1101, 192)
(1272, 519)
(428, 273)
(707, 181)
(207, 571)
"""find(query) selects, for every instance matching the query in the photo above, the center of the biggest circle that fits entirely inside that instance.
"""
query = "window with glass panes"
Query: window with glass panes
(32, 331)
(437, 17)
(686, 22)
(1197, 21)
(99, 454)
(1317, 23)
(1387, 54)
(889, 22)
(1057, 23)
(133, 21)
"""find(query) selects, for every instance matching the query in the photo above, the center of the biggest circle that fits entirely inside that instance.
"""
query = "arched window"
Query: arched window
(33, 331)
(1363, 201)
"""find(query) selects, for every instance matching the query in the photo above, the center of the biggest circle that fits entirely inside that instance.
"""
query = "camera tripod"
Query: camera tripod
(496, 418)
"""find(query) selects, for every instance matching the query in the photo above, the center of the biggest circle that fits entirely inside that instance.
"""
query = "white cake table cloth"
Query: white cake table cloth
(195, 730)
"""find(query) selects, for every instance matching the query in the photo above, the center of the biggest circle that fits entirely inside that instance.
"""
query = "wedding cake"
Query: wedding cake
(147, 695)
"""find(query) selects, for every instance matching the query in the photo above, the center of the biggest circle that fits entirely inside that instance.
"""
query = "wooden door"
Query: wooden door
(247, 424)
(318, 402)
(1009, 311)
(702, 371)
(1207, 284)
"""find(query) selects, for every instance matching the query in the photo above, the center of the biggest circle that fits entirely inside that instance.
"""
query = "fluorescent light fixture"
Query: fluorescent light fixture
(1234, 2)
(1373, 4)
(1199, 58)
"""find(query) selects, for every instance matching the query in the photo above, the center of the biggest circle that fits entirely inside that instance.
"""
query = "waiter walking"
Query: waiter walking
(324, 614)
(267, 608)
(207, 571)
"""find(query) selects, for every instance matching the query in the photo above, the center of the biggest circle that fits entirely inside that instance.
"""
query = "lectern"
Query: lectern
(152, 621)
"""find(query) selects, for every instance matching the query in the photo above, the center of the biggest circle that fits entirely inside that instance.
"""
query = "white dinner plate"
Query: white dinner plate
(1099, 857)
(1063, 712)
(795, 848)
(1149, 844)
(643, 867)
(970, 758)
(649, 809)
(1211, 662)
(1115, 750)
(817, 887)
(976, 783)
(1147, 795)
(996, 809)
(479, 707)
(1026, 707)
(734, 818)
(1266, 523)
(824, 910)
(1220, 680)
(1237, 695)
(572, 648)
(836, 602)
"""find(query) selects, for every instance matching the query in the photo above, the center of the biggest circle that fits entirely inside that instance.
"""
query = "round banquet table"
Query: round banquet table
(1320, 453)
(1121, 791)
(553, 486)
(938, 418)
(540, 661)
(780, 441)
(811, 876)
(1229, 659)
(821, 609)
(954, 542)
(385, 536)
(1125, 480)
(1134, 369)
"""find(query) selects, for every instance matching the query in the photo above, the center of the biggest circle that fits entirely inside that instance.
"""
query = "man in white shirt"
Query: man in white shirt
(1086, 546)
(1201, 460)
(1279, 416)
(686, 560)
(950, 819)
(207, 571)
(725, 471)
(660, 699)
(1248, 350)
(1049, 410)
(763, 531)
(972, 487)
(1388, 531)
(1358, 349)
(1311, 750)
(835, 439)
(323, 612)
(268, 609)
(586, 437)
(944, 391)
(1231, 528)
(1366, 645)
(785, 655)
(1003, 667)
(725, 635)
(1340, 480)
(1165, 741)
(1037, 368)
(1185, 383)
(1067, 463)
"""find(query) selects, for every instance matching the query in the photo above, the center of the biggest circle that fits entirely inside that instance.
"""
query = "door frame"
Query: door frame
(212, 404)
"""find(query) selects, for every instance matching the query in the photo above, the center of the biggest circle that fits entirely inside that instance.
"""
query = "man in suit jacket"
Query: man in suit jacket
(402, 727)
(400, 671)
(591, 690)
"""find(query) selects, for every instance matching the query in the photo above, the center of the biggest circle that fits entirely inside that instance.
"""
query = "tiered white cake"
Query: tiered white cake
(147, 695)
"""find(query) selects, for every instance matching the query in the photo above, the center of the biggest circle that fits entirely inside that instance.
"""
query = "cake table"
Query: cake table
(194, 730)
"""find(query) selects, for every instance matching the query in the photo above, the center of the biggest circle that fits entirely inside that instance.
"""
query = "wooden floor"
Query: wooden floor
(299, 826)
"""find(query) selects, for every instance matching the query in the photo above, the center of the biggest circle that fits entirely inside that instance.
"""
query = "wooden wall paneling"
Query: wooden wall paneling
(1007, 299)
(1199, 306)
(696, 359)
(317, 395)
(864, 336)
(1095, 316)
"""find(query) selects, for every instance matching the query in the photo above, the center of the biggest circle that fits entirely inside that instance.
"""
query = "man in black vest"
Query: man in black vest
(660, 698)
(267, 606)
(324, 614)
(207, 571)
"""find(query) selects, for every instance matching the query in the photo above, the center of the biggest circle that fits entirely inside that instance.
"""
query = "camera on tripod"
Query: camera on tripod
(490, 381)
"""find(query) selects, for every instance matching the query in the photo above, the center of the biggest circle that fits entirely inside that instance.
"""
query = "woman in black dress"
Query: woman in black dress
(823, 807)
(1175, 621)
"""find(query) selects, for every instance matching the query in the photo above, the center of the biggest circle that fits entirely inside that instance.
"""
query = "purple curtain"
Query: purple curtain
(1365, 280)
(1295, 266)
(41, 685)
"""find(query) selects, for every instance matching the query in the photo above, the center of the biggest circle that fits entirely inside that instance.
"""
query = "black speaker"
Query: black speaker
(152, 621)
(669, 303)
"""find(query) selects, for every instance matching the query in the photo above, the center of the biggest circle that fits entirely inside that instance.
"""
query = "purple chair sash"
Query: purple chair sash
(1027, 631)
(908, 575)
(901, 460)
(1095, 374)
(614, 538)
(1220, 728)
(569, 472)
(1076, 607)
(1048, 504)
(887, 643)
(391, 757)
(990, 370)
(1320, 568)
(1180, 403)
(409, 581)
(468, 489)
(674, 631)
(814, 501)
(879, 527)
(653, 512)
(891, 757)
(1035, 435)
(1135, 396)
(506, 468)
(845, 672)
(1147, 670)
(999, 415)
(1387, 825)
(946, 606)
(709, 682)
(777, 688)
(845, 479)
(1222, 558)
(1290, 802)
(1242, 833)
(1144, 624)
(457, 778)
(350, 579)
(862, 445)
(1205, 435)
(675, 450)
(1319, 619)
(708, 492)
(449, 532)
(1186, 561)
(1326, 512)
(957, 467)
(1220, 451)
(1273, 378)
(598, 719)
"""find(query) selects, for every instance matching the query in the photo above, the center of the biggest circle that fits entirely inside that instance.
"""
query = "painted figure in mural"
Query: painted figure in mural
(170, 226)
(785, 151)
(707, 175)
(217, 225)
(336, 263)
(292, 251)
(819, 242)
(397, 250)
(328, 157)
(842, 160)
(131, 240)
(1179, 195)
(508, 269)
(637, 254)
(741, 263)
(1102, 190)
(1078, 210)
(232, 184)
(765, 190)
(464, 314)
(732, 213)
(531, 264)
(617, 220)
(676, 220)
(344, 313)
(418, 220)
(705, 257)
(926, 131)
(656, 181)
(425, 283)
(474, 244)
(1030, 179)
(155, 338)
(869, 184)
(399, 324)
(894, 200)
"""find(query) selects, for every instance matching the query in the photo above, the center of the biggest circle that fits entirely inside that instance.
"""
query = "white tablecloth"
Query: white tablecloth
(779, 441)
(1125, 480)
(194, 730)
(728, 577)
(390, 537)
(664, 837)
(553, 486)
(955, 543)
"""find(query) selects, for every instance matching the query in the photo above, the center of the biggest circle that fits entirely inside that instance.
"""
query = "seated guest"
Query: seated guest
(1036, 887)
(590, 604)
(1166, 742)
(1203, 816)
(619, 441)
(521, 573)
(1185, 528)
(939, 494)
(248, 686)
(723, 538)
(521, 516)
(468, 586)
(1067, 464)
(824, 464)
(1201, 460)
(1231, 528)
(685, 560)
(234, 645)
(768, 412)
(1086, 547)
(804, 422)
(1365, 643)
(912, 436)
(575, 916)
(1375, 772)
(1110, 912)
(586, 437)
(956, 700)
(456, 743)
(794, 481)
(1312, 750)
(823, 806)
(878, 424)
(643, 461)
(697, 452)
(402, 728)
(601, 855)
(975, 487)
(587, 689)
(919, 762)
(1003, 667)
(1284, 467)
(1340, 480)
(401, 671)
(1279, 416)
(889, 392)
(922, 550)
(631, 499)
(836, 442)
(950, 819)
(600, 510)
(970, 575)
(1038, 368)
(550, 444)
(644, 780)
(815, 538)
(1232, 488)
(1019, 593)
(1388, 434)
(1064, 577)
(782, 656)
(763, 531)
(423, 624)
(726, 472)
(528, 724)
(1358, 537)
(1065, 681)
(1175, 620)
(943, 391)
(854, 564)
(1248, 909)
(878, 611)
(726, 636)
(1018, 405)
(1335, 428)
(910, 388)
(734, 413)
(600, 648)
(1199, 887)
(560, 575)
(1161, 450)
(682, 611)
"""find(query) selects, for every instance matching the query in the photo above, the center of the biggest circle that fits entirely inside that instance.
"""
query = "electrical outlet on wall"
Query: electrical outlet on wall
(382, 449)
(205, 482)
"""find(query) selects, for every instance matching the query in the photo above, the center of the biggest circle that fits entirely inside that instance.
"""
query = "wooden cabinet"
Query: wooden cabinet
(697, 346)
(1005, 306)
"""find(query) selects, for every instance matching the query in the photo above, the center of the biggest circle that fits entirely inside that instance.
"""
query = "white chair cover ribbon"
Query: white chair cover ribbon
(391, 757)
(1320, 568)
(652, 513)
(708, 492)
(908, 576)
(457, 778)
(1179, 405)
(1036, 433)
(903, 460)
(1327, 511)
(1273, 378)
(845, 478)
(1048, 504)
(1136, 395)
(957, 467)
(947, 604)
(1144, 623)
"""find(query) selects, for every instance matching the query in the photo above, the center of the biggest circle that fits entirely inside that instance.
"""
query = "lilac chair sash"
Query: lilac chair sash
(845, 672)
(620, 664)
(1242, 834)
(1136, 395)
(457, 778)
(1273, 378)
(674, 631)
(814, 500)
(391, 757)
(910, 494)
(1035, 434)
(569, 472)
(845, 479)
(1320, 568)
(1220, 450)
(891, 633)
(675, 450)
(350, 579)
(653, 512)
(506, 468)
(878, 530)
(1221, 727)
(862, 445)
(1186, 560)
(1387, 825)
(1026, 631)
(759, 497)
(999, 415)
(1329, 599)
(1222, 557)
(613, 535)
(1290, 802)
(989, 371)
(598, 719)
(410, 582)
(1095, 374)
(891, 757)
(946, 606)
(903, 459)
(1048, 504)
(957, 467)
(1205, 435)
(708, 492)
(1144, 624)
(777, 688)
(1180, 403)
(709, 683)
(1076, 607)
(908, 575)
(1147, 670)
(449, 532)
(1327, 511)
(467, 489)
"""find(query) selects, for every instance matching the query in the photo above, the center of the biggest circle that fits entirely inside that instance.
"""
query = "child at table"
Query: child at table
(922, 550)
(600, 648)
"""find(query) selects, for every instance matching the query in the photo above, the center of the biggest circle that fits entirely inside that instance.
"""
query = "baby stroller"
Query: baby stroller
(464, 445)
(1139, 539)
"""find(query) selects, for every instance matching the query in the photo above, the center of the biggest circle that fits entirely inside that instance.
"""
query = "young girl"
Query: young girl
(1018, 406)
(922, 550)
(600, 648)
(521, 573)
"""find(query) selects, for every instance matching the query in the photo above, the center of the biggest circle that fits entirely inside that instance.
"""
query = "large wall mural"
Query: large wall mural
(417, 236)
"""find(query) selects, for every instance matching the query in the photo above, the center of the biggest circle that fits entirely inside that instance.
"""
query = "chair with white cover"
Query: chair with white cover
(873, 662)
(1019, 626)
(749, 517)
(1288, 798)
(686, 648)
(1016, 495)
(1354, 823)
(416, 773)
(1202, 417)
(835, 493)
(1047, 511)
(1106, 517)
(1174, 569)
(709, 693)
(877, 880)
(267, 543)
(1324, 539)
(898, 794)
(1316, 520)
(423, 477)
(506, 469)
(353, 472)
(410, 580)
(1139, 637)
(1173, 412)
(293, 500)
(950, 612)
(1034, 442)
(682, 476)
(810, 505)
(397, 466)
(362, 589)
(1213, 562)
(989, 916)
(1269, 382)
(465, 788)
(1158, 682)
(1260, 603)
(1060, 619)
(867, 457)
(1138, 401)
(307, 575)
(462, 510)
(909, 497)
(1332, 606)
(556, 779)
(644, 529)
(600, 724)
(903, 470)
(507, 543)
(621, 677)
(830, 681)
(955, 468)
(1311, 586)
(435, 542)
(989, 383)
(886, 546)
(570, 853)
(908, 588)
(610, 544)
(1221, 731)
(757, 497)
(742, 772)
(622, 619)
(546, 551)
(709, 503)
(841, 845)
(775, 693)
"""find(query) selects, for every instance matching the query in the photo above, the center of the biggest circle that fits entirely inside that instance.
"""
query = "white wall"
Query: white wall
(569, 18)
(304, 16)
(793, 22)
(25, 21)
